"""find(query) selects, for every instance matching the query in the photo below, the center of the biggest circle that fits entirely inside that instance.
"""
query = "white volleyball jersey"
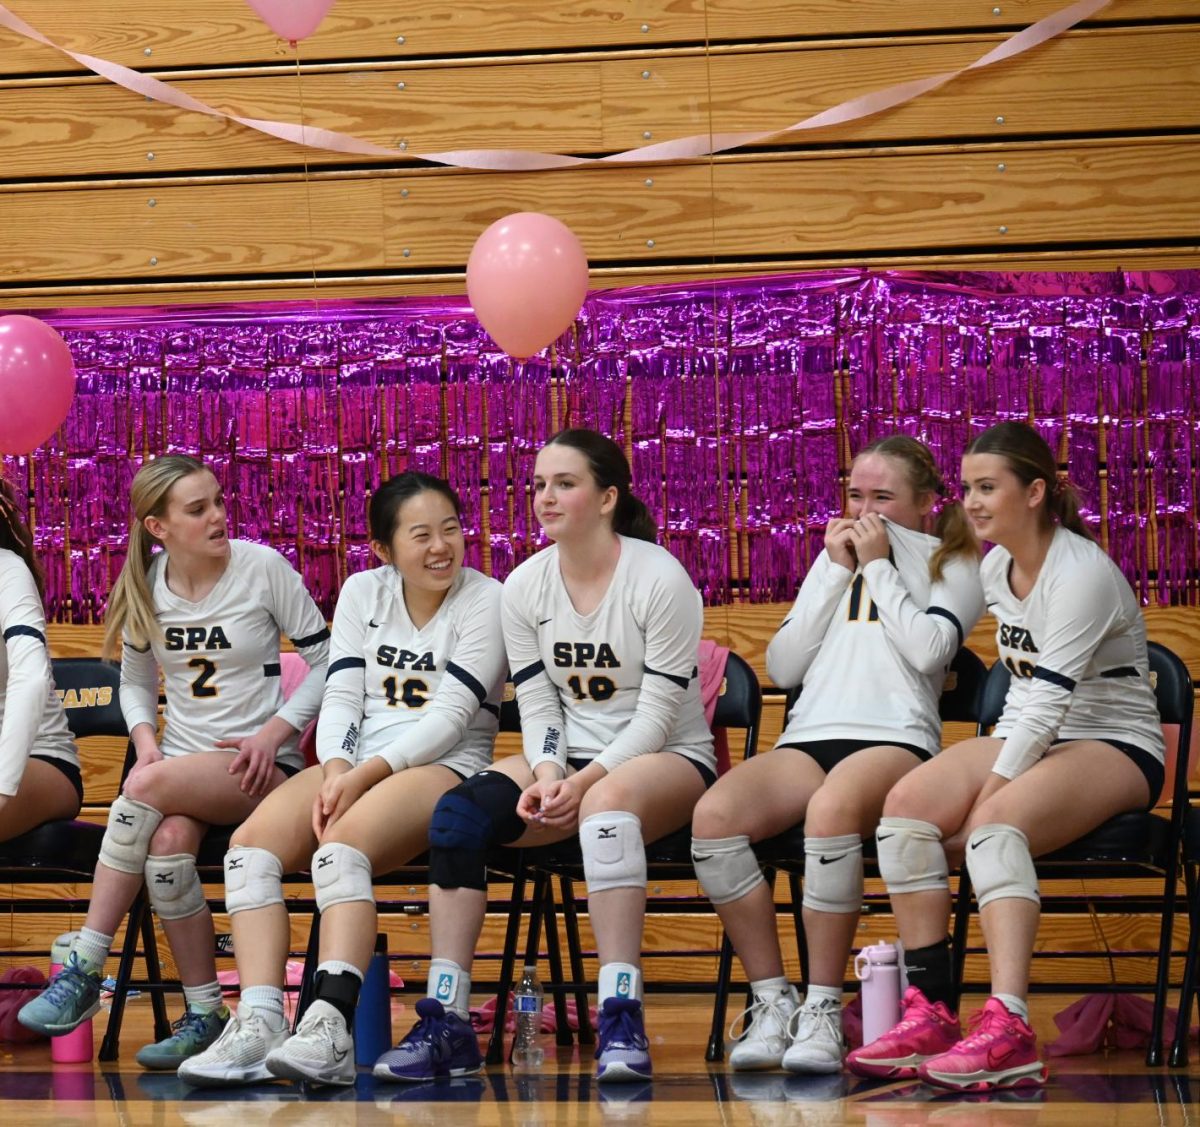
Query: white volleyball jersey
(414, 696)
(1076, 647)
(220, 656)
(32, 720)
(871, 647)
(616, 683)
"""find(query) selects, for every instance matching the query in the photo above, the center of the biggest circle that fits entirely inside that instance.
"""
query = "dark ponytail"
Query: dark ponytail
(610, 469)
(1029, 457)
(15, 534)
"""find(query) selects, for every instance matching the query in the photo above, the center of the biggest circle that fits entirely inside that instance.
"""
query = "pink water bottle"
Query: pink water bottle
(877, 968)
(74, 1047)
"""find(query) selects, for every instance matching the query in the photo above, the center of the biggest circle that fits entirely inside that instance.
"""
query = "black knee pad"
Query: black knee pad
(477, 814)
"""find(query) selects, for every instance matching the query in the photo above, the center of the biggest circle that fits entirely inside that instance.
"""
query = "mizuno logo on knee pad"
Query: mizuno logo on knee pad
(323, 861)
(125, 819)
(164, 878)
(607, 833)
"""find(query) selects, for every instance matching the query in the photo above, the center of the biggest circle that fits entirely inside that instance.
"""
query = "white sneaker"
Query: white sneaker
(321, 1051)
(817, 1045)
(239, 1055)
(765, 1035)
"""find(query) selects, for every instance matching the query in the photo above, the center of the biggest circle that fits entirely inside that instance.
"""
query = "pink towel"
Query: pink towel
(293, 670)
(12, 1000)
(484, 1018)
(1114, 1021)
(711, 662)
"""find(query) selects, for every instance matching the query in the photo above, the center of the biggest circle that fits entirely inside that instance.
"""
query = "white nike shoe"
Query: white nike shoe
(321, 1051)
(817, 1044)
(239, 1055)
(765, 1036)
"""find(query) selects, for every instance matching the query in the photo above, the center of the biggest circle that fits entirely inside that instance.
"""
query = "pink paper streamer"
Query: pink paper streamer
(517, 160)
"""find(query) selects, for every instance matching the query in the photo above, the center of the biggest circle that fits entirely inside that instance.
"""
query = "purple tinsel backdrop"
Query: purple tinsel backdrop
(739, 403)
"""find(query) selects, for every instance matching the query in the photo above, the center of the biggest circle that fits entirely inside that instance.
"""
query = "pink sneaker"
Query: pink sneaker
(999, 1052)
(924, 1031)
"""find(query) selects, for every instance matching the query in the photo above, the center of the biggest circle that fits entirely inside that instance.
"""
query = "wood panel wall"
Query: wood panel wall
(1081, 154)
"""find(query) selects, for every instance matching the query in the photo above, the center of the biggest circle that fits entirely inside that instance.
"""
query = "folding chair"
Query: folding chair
(1131, 845)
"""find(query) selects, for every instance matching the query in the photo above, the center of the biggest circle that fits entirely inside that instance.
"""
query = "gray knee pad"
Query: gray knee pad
(341, 875)
(174, 887)
(911, 857)
(1000, 865)
(253, 878)
(126, 842)
(833, 873)
(726, 867)
(614, 855)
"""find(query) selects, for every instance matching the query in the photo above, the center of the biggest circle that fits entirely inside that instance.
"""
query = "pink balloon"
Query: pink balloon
(37, 383)
(292, 20)
(527, 277)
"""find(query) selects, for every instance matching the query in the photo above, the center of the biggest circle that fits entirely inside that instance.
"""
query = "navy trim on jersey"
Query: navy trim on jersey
(312, 639)
(682, 682)
(345, 663)
(1054, 679)
(466, 678)
(494, 709)
(272, 669)
(14, 631)
(942, 612)
(523, 675)
(1120, 671)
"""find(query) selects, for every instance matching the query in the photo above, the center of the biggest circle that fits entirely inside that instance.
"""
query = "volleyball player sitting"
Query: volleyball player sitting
(878, 620)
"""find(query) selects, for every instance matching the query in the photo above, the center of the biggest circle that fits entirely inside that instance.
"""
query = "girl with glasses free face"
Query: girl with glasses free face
(1079, 741)
(208, 613)
(602, 630)
(410, 709)
(878, 620)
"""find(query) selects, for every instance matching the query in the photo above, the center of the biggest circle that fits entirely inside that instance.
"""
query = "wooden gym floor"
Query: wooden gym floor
(1094, 1091)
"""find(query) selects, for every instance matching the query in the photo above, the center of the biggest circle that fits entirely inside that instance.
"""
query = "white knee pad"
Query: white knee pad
(126, 841)
(614, 855)
(253, 878)
(174, 887)
(1000, 865)
(833, 873)
(726, 867)
(341, 875)
(911, 857)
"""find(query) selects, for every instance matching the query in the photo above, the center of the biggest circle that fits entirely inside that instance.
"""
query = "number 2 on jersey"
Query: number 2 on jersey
(208, 670)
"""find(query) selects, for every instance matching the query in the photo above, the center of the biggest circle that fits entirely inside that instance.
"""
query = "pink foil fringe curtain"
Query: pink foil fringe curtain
(739, 403)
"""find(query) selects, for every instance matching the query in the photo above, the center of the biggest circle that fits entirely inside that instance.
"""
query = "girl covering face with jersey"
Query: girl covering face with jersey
(1079, 710)
(208, 613)
(411, 708)
(39, 764)
(876, 624)
(602, 630)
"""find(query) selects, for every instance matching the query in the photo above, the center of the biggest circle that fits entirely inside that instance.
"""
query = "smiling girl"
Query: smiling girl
(878, 620)
(1079, 742)
(208, 613)
(411, 703)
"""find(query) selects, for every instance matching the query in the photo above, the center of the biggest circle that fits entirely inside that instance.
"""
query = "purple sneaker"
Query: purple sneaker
(623, 1052)
(440, 1045)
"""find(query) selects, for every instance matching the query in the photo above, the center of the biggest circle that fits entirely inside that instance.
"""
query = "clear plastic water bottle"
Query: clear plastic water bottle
(527, 1051)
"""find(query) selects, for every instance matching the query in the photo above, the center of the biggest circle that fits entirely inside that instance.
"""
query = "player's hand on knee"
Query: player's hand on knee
(255, 761)
(144, 759)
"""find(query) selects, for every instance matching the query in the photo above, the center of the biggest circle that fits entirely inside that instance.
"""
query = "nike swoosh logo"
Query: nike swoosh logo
(977, 844)
(339, 1057)
(883, 837)
(543, 621)
(374, 625)
(702, 856)
(830, 860)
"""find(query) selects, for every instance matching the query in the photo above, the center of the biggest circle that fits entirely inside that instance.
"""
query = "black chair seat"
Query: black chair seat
(1191, 835)
(1136, 838)
(211, 854)
(72, 847)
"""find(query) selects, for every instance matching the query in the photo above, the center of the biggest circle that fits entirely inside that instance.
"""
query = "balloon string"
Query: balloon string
(312, 238)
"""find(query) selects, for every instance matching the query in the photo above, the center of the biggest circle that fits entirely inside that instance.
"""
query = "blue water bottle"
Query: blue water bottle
(373, 1018)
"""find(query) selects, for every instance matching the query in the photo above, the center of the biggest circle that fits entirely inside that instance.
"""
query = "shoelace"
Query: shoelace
(67, 985)
(760, 1007)
(810, 1018)
(620, 1029)
(325, 1026)
(431, 1031)
(982, 1030)
(190, 1020)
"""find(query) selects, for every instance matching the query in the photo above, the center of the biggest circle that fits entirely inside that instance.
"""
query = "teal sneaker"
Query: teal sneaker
(191, 1034)
(72, 996)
